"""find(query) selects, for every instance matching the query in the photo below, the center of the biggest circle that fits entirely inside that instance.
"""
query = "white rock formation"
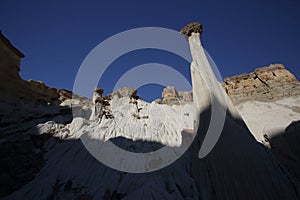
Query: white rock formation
(235, 167)
(236, 157)
(146, 121)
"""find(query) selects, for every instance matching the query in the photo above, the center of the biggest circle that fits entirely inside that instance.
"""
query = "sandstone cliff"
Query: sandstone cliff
(269, 83)
(20, 97)
(171, 96)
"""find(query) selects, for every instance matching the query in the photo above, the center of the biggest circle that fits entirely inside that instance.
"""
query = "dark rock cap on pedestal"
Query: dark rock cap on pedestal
(99, 90)
(193, 27)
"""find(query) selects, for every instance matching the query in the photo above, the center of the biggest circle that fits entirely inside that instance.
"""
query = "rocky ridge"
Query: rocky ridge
(171, 96)
(268, 83)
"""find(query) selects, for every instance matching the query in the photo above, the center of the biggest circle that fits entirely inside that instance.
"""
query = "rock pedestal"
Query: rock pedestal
(233, 164)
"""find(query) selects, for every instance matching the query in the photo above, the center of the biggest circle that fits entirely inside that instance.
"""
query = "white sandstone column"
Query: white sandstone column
(206, 87)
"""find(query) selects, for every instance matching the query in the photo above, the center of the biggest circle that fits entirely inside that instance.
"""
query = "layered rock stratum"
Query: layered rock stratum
(268, 83)
(171, 96)
(45, 131)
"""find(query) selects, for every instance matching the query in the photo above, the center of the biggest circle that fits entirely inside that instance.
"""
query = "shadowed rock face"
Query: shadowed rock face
(14, 89)
(11, 85)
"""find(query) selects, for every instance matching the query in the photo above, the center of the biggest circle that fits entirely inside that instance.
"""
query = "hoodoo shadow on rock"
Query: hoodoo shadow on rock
(238, 167)
(67, 169)
(138, 146)
(49, 162)
(285, 146)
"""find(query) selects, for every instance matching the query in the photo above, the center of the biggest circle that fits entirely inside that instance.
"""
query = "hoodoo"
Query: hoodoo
(235, 165)
(222, 159)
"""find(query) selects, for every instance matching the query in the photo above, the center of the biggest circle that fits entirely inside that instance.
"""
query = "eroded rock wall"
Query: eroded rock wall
(171, 96)
(268, 83)
(12, 86)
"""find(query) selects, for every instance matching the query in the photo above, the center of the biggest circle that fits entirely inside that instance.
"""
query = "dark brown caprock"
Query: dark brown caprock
(193, 27)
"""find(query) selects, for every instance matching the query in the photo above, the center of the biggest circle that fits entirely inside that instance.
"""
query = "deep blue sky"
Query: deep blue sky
(56, 36)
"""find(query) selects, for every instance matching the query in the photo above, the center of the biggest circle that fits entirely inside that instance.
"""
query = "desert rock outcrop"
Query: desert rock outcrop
(171, 96)
(257, 168)
(269, 83)
(55, 163)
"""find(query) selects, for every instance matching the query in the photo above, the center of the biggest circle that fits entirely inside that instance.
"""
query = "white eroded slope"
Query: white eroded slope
(146, 121)
(67, 158)
(270, 118)
(236, 168)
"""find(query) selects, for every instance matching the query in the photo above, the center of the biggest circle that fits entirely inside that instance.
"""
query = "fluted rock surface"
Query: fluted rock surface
(253, 166)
